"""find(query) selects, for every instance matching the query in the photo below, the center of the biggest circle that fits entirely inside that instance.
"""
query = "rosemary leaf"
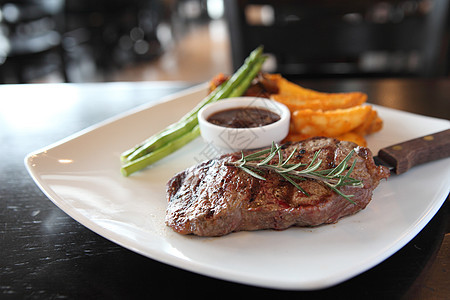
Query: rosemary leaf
(288, 178)
(312, 168)
(242, 156)
(269, 157)
(280, 156)
(316, 154)
(251, 172)
(347, 197)
(257, 154)
(289, 157)
(343, 165)
(292, 168)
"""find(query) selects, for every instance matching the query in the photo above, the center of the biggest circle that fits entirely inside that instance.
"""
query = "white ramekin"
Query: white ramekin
(234, 139)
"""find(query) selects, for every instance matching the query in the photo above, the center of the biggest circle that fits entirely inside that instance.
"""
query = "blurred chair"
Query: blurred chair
(111, 34)
(32, 32)
(343, 38)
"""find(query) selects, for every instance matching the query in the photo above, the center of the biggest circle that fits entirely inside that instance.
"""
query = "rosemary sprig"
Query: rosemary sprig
(256, 163)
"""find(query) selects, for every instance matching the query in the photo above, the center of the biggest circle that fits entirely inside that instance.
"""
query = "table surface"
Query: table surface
(47, 254)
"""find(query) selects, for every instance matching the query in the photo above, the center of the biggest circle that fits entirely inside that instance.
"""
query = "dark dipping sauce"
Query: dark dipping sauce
(243, 117)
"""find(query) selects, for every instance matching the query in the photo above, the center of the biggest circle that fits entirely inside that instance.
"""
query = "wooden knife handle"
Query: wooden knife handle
(408, 154)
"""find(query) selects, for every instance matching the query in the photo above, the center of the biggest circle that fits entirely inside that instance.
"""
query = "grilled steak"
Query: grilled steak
(215, 198)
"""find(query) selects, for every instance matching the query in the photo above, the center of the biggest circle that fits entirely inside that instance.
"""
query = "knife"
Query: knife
(399, 158)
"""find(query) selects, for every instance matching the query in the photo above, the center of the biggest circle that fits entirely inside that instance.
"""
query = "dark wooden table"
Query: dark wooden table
(45, 254)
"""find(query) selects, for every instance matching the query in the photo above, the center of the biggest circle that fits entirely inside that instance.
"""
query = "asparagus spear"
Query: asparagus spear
(160, 153)
(186, 129)
(187, 122)
(173, 131)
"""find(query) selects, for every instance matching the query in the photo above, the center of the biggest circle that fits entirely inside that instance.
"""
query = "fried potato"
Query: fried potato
(295, 137)
(371, 124)
(340, 115)
(296, 97)
(286, 87)
(377, 125)
(353, 137)
(329, 123)
(324, 102)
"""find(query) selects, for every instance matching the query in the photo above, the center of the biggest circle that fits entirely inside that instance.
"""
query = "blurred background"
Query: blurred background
(193, 40)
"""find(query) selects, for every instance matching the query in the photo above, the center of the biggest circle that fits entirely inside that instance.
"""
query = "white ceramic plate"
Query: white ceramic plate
(80, 174)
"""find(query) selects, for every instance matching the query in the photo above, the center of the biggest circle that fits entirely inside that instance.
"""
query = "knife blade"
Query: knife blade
(399, 158)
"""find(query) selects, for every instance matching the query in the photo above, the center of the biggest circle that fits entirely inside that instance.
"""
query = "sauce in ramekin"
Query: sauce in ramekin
(243, 117)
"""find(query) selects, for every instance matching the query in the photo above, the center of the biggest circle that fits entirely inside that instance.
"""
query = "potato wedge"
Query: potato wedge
(340, 115)
(353, 137)
(295, 137)
(371, 124)
(328, 102)
(286, 87)
(331, 122)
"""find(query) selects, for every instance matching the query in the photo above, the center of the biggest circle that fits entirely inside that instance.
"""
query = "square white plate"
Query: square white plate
(80, 174)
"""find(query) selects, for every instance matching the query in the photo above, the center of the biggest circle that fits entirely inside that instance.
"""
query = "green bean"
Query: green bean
(160, 153)
(182, 132)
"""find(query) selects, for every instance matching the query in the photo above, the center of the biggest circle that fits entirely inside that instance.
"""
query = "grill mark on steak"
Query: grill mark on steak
(254, 190)
(215, 198)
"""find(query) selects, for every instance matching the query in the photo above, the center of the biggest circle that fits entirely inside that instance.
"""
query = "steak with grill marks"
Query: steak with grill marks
(215, 198)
